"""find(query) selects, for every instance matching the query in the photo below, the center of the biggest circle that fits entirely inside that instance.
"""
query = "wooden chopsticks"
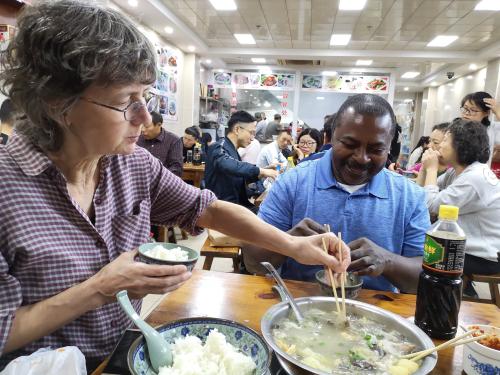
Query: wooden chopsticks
(448, 344)
(341, 310)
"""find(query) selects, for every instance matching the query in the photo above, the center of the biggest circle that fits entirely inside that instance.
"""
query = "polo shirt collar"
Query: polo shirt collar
(325, 178)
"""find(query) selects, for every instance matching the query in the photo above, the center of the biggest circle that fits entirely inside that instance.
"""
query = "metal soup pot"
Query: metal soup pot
(392, 321)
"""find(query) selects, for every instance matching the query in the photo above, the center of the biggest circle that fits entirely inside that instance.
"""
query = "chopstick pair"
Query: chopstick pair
(340, 310)
(448, 344)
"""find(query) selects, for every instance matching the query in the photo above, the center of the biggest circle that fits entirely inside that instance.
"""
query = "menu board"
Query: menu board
(346, 83)
(6, 34)
(164, 95)
(241, 80)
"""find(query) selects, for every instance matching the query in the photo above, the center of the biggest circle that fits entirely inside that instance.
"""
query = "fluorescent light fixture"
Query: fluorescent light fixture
(220, 70)
(357, 70)
(267, 104)
(133, 3)
(340, 39)
(434, 83)
(258, 60)
(329, 73)
(320, 98)
(202, 70)
(364, 62)
(406, 88)
(470, 77)
(408, 100)
(208, 61)
(224, 4)
(279, 96)
(244, 38)
(472, 67)
(258, 105)
(352, 4)
(191, 48)
(168, 29)
(488, 5)
(410, 75)
(442, 41)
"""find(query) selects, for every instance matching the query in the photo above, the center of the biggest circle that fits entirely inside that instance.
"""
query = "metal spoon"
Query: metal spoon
(285, 290)
(159, 350)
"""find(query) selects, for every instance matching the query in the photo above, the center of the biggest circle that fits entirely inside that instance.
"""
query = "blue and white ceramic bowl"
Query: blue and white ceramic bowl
(245, 339)
(479, 359)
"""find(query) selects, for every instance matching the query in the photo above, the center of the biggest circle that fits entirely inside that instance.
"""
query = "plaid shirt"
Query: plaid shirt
(168, 148)
(48, 244)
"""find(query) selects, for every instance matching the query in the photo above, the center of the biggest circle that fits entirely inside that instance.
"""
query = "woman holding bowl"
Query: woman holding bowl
(78, 196)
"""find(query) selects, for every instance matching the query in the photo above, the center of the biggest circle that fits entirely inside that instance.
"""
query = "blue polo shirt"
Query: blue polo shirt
(390, 210)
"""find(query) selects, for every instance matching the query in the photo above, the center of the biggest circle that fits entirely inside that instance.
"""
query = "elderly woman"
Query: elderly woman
(471, 186)
(78, 196)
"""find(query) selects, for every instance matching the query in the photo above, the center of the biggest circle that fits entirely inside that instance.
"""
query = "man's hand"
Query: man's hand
(272, 173)
(307, 227)
(367, 258)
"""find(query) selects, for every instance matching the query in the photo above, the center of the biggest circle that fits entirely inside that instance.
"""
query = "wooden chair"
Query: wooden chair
(210, 252)
(493, 282)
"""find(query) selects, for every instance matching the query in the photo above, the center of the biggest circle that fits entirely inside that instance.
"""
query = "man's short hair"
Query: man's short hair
(258, 116)
(443, 126)
(239, 117)
(193, 132)
(328, 126)
(367, 104)
(277, 117)
(156, 118)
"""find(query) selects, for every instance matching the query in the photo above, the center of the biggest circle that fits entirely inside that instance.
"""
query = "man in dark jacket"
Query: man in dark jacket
(225, 174)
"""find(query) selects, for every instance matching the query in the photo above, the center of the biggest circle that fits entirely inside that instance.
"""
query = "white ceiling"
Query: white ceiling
(394, 33)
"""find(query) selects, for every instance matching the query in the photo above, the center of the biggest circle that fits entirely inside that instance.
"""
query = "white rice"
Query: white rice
(159, 252)
(216, 357)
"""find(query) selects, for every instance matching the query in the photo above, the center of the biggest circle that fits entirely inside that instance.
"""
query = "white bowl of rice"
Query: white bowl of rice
(166, 253)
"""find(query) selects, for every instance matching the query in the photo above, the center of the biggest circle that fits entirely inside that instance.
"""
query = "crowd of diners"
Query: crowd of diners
(88, 169)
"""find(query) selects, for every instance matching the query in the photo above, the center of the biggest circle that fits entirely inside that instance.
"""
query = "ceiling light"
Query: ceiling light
(220, 70)
(258, 105)
(406, 88)
(208, 61)
(408, 100)
(434, 83)
(364, 62)
(472, 67)
(488, 5)
(409, 75)
(442, 41)
(191, 48)
(279, 96)
(352, 4)
(244, 38)
(258, 60)
(470, 77)
(267, 104)
(168, 29)
(357, 70)
(329, 73)
(223, 4)
(202, 70)
(340, 39)
(320, 98)
(133, 3)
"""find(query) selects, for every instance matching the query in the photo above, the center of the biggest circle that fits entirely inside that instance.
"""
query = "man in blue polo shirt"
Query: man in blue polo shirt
(382, 215)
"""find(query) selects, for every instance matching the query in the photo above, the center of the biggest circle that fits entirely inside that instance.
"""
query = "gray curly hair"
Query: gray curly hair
(60, 49)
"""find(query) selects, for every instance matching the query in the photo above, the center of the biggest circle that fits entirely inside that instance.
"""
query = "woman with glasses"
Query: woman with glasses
(78, 196)
(478, 106)
(471, 186)
(308, 142)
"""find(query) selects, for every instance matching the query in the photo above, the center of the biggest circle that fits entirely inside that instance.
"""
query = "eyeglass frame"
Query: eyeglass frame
(251, 132)
(308, 144)
(124, 111)
(469, 111)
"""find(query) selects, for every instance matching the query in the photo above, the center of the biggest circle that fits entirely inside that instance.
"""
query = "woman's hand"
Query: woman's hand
(300, 154)
(494, 106)
(309, 250)
(137, 278)
(430, 159)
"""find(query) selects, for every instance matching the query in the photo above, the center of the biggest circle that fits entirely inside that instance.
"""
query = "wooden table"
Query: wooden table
(191, 172)
(246, 298)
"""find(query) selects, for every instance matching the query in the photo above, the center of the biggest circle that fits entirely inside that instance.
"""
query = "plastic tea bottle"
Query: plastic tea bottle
(291, 164)
(440, 285)
(197, 155)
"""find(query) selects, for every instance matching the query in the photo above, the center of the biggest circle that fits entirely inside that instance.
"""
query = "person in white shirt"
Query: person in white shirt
(272, 154)
(250, 154)
(470, 185)
(478, 106)
(418, 151)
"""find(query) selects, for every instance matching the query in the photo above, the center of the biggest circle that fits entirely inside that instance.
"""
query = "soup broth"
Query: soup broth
(324, 342)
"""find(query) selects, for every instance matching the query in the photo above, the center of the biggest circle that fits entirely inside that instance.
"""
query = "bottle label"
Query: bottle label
(444, 255)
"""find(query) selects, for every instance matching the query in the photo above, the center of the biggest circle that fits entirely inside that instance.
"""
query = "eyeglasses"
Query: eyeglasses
(130, 112)
(469, 111)
(252, 132)
(308, 144)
